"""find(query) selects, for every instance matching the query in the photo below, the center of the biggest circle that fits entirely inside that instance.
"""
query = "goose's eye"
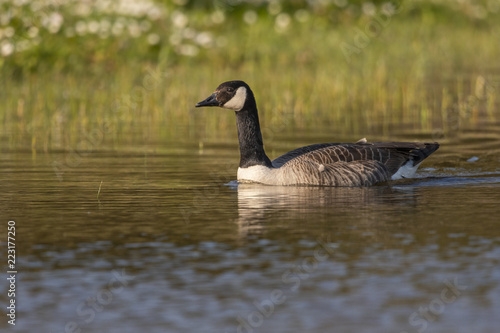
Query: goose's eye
(230, 90)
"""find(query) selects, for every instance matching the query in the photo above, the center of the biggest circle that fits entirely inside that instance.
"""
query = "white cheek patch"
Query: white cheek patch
(238, 101)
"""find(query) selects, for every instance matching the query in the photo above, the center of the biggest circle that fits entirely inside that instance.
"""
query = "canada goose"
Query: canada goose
(327, 164)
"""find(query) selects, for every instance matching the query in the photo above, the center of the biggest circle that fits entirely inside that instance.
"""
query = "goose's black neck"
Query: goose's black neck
(250, 137)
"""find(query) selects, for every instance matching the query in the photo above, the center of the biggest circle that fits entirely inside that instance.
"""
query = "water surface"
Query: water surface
(171, 244)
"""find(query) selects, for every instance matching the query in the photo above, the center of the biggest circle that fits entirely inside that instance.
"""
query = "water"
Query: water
(170, 244)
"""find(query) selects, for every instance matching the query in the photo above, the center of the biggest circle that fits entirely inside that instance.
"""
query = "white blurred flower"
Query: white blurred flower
(204, 39)
(81, 28)
(6, 48)
(33, 32)
(153, 39)
(135, 8)
(154, 13)
(94, 27)
(9, 32)
(274, 7)
(105, 26)
(82, 9)
(55, 21)
(117, 28)
(218, 17)
(250, 17)
(22, 45)
(302, 15)
(479, 12)
(19, 3)
(282, 22)
(175, 39)
(5, 18)
(36, 6)
(179, 19)
(105, 6)
(188, 50)
(134, 29)
(388, 9)
(368, 8)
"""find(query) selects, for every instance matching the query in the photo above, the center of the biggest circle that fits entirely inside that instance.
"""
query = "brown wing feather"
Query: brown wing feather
(355, 173)
(392, 155)
(299, 152)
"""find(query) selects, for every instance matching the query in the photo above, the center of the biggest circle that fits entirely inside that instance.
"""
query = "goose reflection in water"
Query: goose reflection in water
(260, 205)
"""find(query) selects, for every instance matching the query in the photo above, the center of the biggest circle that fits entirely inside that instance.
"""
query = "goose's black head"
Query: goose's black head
(233, 95)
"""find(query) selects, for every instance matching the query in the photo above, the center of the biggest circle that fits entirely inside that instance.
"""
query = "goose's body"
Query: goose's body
(341, 164)
(327, 164)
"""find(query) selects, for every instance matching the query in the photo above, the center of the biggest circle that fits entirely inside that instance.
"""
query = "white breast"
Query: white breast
(258, 174)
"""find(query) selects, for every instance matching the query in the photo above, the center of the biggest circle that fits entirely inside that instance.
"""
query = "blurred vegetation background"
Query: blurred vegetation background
(135, 68)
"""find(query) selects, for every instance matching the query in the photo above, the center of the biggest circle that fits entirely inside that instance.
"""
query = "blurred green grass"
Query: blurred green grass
(426, 66)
